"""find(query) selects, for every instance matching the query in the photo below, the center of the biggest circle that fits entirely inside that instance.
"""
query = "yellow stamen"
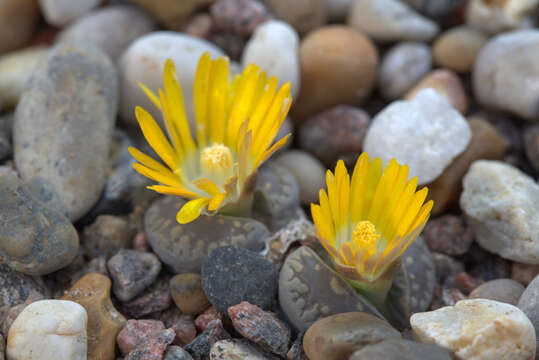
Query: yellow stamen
(365, 236)
(216, 161)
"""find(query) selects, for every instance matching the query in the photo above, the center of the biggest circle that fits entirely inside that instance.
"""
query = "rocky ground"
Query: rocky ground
(93, 265)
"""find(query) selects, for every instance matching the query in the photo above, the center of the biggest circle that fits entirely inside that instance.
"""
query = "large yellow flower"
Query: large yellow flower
(236, 123)
(367, 222)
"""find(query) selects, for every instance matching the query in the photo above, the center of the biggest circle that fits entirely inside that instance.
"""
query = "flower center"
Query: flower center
(365, 236)
(216, 160)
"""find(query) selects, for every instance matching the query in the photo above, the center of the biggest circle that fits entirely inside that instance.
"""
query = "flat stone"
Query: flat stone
(18, 288)
(400, 349)
(18, 20)
(234, 349)
(106, 236)
(529, 305)
(502, 290)
(186, 290)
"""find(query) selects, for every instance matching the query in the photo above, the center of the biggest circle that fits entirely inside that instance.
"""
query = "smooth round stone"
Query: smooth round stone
(457, 48)
(18, 19)
(506, 73)
(61, 12)
(529, 304)
(435, 8)
(337, 132)
(308, 171)
(34, 239)
(402, 66)
(391, 20)
(92, 292)
(503, 290)
(231, 275)
(49, 329)
(111, 29)
(339, 65)
(274, 48)
(426, 122)
(336, 337)
(237, 17)
(18, 289)
(303, 15)
(524, 273)
(448, 234)
(337, 10)
(495, 17)
(15, 70)
(310, 290)
(400, 349)
(531, 145)
(478, 329)
(486, 143)
(106, 236)
(502, 207)
(183, 247)
(445, 83)
(172, 13)
(234, 349)
(143, 62)
(77, 119)
(186, 291)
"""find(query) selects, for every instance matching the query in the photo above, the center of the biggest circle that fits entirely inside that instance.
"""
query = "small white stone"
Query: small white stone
(274, 47)
(143, 62)
(49, 329)
(62, 12)
(502, 206)
(426, 133)
(492, 17)
(478, 329)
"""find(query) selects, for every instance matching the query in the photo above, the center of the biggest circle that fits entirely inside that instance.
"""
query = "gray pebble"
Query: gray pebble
(400, 349)
(16, 288)
(175, 352)
(529, 304)
(504, 290)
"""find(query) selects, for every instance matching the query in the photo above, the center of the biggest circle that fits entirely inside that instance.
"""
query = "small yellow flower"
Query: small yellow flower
(236, 123)
(367, 222)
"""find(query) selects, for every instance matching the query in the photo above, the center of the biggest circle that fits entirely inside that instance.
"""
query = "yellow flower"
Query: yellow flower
(367, 222)
(236, 123)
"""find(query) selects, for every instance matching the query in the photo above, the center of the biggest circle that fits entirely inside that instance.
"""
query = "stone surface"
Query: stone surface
(529, 305)
(135, 332)
(237, 17)
(211, 314)
(492, 17)
(15, 70)
(154, 299)
(184, 247)
(457, 48)
(231, 275)
(261, 327)
(391, 20)
(34, 239)
(337, 10)
(143, 62)
(400, 349)
(309, 290)
(339, 65)
(48, 329)
(62, 12)
(174, 352)
(200, 347)
(426, 122)
(303, 15)
(531, 145)
(402, 67)
(478, 329)
(336, 337)
(503, 290)
(448, 234)
(435, 8)
(152, 348)
(186, 291)
(82, 109)
(274, 47)
(18, 19)
(234, 350)
(111, 29)
(500, 203)
(486, 143)
(183, 325)
(104, 322)
(106, 236)
(505, 74)
(18, 288)
(173, 14)
(524, 273)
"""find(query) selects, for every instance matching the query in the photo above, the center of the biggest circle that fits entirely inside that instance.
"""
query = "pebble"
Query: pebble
(391, 20)
(274, 48)
(211, 314)
(402, 67)
(495, 17)
(446, 266)
(337, 132)
(111, 29)
(435, 8)
(143, 62)
(303, 15)
(448, 234)
(261, 327)
(47, 126)
(34, 239)
(486, 143)
(184, 247)
(445, 83)
(524, 273)
(400, 349)
(426, 122)
(231, 275)
(18, 289)
(528, 303)
(337, 10)
(59, 13)
(339, 65)
(104, 322)
(457, 48)
(505, 73)
(174, 352)
(336, 337)
(501, 205)
(152, 348)
(2, 347)
(49, 329)
(131, 272)
(478, 329)
(502, 290)
(18, 20)
(309, 290)
(15, 70)
(187, 293)
(183, 325)
(200, 347)
(106, 236)
(173, 14)
(135, 332)
(308, 171)
(234, 350)
(531, 145)
(238, 17)
(155, 298)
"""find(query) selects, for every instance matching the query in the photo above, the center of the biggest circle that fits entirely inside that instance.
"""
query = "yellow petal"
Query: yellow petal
(358, 187)
(150, 94)
(146, 160)
(191, 210)
(200, 97)
(178, 191)
(272, 150)
(166, 178)
(208, 186)
(217, 100)
(216, 201)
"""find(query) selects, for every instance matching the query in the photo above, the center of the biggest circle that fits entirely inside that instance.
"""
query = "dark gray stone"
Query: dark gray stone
(504, 290)
(529, 304)
(175, 352)
(154, 299)
(435, 8)
(400, 349)
(16, 288)
(200, 347)
(106, 236)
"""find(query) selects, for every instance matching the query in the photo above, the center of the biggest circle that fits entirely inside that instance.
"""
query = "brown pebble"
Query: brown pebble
(135, 332)
(206, 317)
(187, 293)
(448, 234)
